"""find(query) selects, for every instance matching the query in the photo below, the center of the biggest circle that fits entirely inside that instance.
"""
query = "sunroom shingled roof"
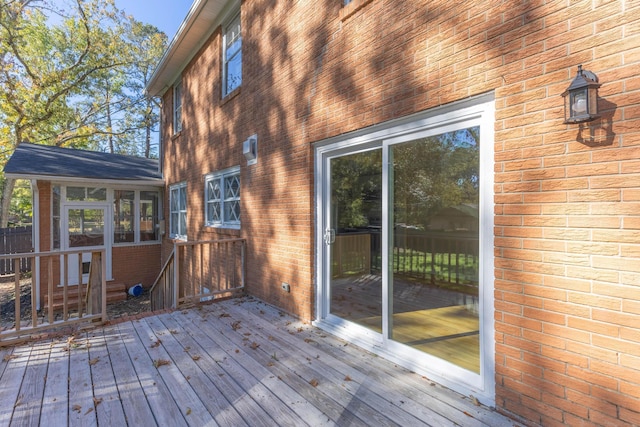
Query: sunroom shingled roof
(50, 162)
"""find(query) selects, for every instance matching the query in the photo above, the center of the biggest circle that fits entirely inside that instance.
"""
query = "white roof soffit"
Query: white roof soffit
(202, 19)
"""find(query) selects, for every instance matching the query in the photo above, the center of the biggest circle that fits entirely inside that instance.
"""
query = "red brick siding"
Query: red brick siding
(567, 211)
(135, 264)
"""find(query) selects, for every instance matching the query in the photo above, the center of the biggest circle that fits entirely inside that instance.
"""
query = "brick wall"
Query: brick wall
(567, 197)
(135, 264)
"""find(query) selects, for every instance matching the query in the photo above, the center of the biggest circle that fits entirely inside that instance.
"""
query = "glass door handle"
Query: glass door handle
(329, 236)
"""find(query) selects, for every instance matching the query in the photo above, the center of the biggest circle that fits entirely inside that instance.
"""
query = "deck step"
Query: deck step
(116, 291)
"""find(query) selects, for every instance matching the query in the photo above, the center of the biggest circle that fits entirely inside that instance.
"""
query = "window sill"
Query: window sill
(228, 97)
(223, 230)
(348, 10)
(176, 135)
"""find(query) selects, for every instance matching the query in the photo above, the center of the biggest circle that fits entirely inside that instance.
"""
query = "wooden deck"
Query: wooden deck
(233, 363)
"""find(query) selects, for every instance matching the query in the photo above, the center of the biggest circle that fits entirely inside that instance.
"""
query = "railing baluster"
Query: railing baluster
(65, 289)
(50, 290)
(16, 266)
(80, 285)
(34, 313)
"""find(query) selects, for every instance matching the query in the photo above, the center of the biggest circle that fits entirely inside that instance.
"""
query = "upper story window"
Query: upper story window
(222, 198)
(178, 211)
(232, 57)
(177, 107)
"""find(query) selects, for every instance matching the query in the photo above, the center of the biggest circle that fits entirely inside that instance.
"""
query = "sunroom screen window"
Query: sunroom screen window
(123, 216)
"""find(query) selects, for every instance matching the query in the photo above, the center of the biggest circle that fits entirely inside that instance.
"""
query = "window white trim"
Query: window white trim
(137, 214)
(177, 106)
(177, 211)
(222, 198)
(231, 51)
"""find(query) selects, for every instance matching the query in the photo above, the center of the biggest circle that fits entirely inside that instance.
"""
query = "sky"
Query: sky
(167, 15)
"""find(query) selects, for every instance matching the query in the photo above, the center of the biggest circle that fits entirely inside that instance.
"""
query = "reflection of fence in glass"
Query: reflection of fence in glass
(442, 259)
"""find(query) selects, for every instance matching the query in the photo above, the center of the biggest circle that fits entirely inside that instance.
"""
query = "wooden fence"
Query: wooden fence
(15, 240)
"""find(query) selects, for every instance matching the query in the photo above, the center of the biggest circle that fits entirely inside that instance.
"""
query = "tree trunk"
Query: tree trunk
(147, 138)
(7, 192)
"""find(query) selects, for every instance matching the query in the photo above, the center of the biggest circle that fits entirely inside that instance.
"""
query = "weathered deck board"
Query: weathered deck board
(354, 394)
(55, 403)
(250, 410)
(358, 387)
(27, 412)
(163, 406)
(105, 392)
(192, 408)
(11, 381)
(134, 402)
(81, 404)
(190, 367)
(270, 393)
(231, 363)
(444, 401)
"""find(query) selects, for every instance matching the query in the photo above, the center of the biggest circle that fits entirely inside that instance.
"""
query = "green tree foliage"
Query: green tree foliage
(434, 173)
(429, 175)
(72, 74)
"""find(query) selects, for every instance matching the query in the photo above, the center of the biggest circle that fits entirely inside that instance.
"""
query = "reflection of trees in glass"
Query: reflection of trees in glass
(435, 173)
(356, 190)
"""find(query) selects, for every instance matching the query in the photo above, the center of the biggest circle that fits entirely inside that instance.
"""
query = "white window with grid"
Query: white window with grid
(178, 211)
(222, 198)
(177, 107)
(232, 56)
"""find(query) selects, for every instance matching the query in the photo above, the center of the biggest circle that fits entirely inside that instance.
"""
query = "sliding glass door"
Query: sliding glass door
(406, 260)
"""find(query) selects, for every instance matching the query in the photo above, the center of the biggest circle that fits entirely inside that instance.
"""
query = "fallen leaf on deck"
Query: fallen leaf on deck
(8, 357)
(188, 411)
(474, 400)
(156, 344)
(160, 362)
(348, 378)
(97, 401)
(76, 408)
(94, 361)
(254, 345)
(89, 411)
(314, 382)
(195, 357)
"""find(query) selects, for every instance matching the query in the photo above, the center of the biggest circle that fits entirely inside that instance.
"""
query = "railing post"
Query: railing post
(242, 268)
(103, 270)
(176, 276)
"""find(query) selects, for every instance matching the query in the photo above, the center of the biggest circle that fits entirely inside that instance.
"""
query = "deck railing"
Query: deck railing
(199, 271)
(87, 306)
(437, 257)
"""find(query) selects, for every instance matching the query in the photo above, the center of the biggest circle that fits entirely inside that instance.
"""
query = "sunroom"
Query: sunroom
(87, 200)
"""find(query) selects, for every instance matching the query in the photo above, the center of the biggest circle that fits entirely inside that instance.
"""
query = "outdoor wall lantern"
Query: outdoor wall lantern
(581, 98)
